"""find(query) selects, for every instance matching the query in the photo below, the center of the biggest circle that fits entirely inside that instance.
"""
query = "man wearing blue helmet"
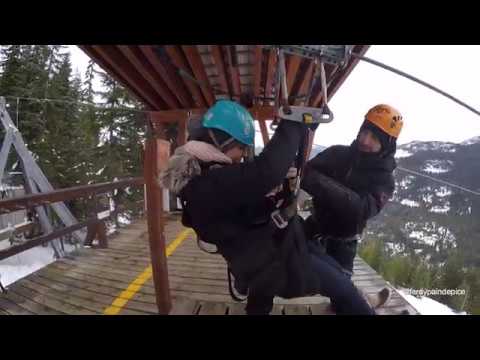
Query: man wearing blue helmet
(225, 201)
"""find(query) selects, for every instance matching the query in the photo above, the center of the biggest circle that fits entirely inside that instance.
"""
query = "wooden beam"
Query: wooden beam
(135, 56)
(55, 196)
(115, 58)
(99, 60)
(195, 61)
(173, 116)
(179, 61)
(305, 82)
(264, 131)
(272, 62)
(44, 239)
(257, 71)
(220, 66)
(292, 69)
(182, 133)
(173, 81)
(262, 112)
(156, 158)
(233, 71)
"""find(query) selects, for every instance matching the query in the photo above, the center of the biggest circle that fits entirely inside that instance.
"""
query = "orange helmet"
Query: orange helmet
(386, 118)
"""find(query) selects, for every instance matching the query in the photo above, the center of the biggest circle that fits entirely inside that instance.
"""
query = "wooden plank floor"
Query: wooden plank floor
(89, 281)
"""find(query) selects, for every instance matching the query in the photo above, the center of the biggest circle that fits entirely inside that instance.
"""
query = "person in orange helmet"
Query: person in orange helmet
(351, 184)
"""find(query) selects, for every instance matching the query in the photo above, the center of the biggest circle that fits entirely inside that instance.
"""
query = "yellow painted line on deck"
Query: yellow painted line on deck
(137, 284)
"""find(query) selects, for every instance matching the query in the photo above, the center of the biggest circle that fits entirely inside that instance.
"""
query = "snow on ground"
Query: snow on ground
(445, 147)
(443, 191)
(410, 203)
(427, 198)
(406, 181)
(124, 220)
(420, 235)
(99, 172)
(471, 141)
(430, 233)
(23, 264)
(437, 166)
(416, 146)
(395, 248)
(27, 262)
(400, 153)
(441, 209)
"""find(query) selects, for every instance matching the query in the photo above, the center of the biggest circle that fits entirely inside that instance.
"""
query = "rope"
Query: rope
(417, 80)
(426, 176)
(463, 188)
(440, 181)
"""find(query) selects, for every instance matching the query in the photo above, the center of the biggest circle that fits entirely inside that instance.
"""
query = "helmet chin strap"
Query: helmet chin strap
(219, 146)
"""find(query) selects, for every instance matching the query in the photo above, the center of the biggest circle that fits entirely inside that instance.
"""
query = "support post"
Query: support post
(157, 152)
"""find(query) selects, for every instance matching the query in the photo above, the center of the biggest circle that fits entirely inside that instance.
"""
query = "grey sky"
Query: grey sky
(428, 116)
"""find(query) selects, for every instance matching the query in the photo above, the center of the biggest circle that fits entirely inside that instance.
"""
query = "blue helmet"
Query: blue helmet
(231, 118)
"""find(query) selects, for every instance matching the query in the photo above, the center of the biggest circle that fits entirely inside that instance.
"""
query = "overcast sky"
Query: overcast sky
(427, 115)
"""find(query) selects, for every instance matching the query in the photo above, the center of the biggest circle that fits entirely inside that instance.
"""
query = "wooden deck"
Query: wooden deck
(91, 280)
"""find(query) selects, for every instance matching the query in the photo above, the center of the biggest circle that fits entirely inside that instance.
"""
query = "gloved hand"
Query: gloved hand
(292, 182)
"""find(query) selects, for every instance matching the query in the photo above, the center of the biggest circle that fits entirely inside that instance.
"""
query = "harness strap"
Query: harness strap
(230, 287)
(2, 288)
(199, 241)
(214, 139)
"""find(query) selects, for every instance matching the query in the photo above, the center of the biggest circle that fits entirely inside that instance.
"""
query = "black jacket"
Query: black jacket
(348, 188)
(227, 207)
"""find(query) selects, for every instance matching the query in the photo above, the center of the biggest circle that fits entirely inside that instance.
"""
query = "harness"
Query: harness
(288, 209)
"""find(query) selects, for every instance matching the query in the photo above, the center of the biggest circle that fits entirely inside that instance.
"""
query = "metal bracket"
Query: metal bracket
(321, 54)
(307, 115)
(278, 219)
(327, 114)
(331, 54)
(280, 84)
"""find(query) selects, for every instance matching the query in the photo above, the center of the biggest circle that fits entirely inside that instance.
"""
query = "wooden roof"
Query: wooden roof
(170, 77)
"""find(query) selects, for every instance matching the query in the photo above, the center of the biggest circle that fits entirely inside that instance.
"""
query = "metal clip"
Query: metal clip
(278, 219)
(327, 114)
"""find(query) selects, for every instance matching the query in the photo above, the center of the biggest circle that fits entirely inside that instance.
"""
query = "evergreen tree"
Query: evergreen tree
(120, 148)
(61, 146)
(73, 143)
(23, 76)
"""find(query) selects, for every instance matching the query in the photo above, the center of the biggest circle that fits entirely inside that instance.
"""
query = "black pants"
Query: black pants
(331, 281)
(343, 251)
